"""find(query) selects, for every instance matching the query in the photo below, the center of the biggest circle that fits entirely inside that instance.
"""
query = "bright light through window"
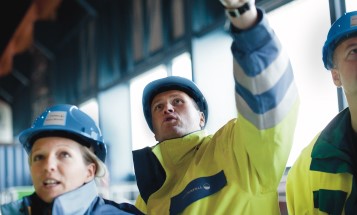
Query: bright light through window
(351, 5)
(141, 134)
(181, 66)
(303, 42)
(90, 107)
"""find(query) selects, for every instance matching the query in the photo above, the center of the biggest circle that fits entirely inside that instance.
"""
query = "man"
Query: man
(322, 180)
(237, 170)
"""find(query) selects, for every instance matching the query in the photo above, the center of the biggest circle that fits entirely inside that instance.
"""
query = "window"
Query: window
(90, 107)
(141, 134)
(351, 5)
(181, 66)
(303, 37)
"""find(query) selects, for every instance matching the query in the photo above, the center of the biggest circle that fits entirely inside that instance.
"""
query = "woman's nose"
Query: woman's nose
(50, 164)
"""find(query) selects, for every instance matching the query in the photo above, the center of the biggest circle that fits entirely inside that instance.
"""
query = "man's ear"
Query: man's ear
(336, 77)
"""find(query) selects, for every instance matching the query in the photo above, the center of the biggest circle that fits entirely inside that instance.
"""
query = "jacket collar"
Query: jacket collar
(178, 150)
(77, 201)
(331, 150)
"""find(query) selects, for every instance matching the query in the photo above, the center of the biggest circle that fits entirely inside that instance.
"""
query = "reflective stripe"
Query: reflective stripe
(267, 78)
(272, 117)
(261, 103)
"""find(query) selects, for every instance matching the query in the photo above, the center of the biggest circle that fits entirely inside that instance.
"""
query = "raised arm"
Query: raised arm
(266, 95)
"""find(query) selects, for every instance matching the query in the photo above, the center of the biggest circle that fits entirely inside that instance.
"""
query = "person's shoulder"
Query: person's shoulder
(306, 152)
(303, 161)
(14, 207)
(112, 207)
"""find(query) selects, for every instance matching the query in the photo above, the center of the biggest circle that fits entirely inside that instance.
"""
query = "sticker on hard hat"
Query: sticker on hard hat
(353, 21)
(94, 135)
(55, 118)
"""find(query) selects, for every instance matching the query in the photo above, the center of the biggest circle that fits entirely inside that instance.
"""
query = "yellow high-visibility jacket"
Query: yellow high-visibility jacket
(237, 170)
(321, 181)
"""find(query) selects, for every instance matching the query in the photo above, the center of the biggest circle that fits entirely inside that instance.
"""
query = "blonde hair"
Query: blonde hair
(90, 157)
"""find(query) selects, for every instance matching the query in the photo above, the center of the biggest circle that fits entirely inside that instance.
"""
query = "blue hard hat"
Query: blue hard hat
(172, 83)
(65, 121)
(343, 28)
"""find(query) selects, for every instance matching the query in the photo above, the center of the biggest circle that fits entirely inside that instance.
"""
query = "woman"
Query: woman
(66, 153)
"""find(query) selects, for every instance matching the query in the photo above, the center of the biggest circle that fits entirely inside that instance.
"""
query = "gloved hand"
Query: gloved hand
(235, 3)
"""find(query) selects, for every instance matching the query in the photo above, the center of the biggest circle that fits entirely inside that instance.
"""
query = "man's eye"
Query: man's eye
(158, 107)
(37, 158)
(65, 155)
(177, 101)
(352, 55)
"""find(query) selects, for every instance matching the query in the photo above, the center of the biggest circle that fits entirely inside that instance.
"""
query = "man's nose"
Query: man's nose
(168, 108)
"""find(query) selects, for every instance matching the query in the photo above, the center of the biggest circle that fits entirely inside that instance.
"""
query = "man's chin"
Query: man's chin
(168, 134)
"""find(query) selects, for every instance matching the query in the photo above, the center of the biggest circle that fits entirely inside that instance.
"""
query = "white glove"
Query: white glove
(235, 3)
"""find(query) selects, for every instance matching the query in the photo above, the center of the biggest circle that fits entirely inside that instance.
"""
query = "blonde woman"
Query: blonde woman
(66, 153)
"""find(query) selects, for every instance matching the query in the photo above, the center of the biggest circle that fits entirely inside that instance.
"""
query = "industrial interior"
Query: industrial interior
(89, 53)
